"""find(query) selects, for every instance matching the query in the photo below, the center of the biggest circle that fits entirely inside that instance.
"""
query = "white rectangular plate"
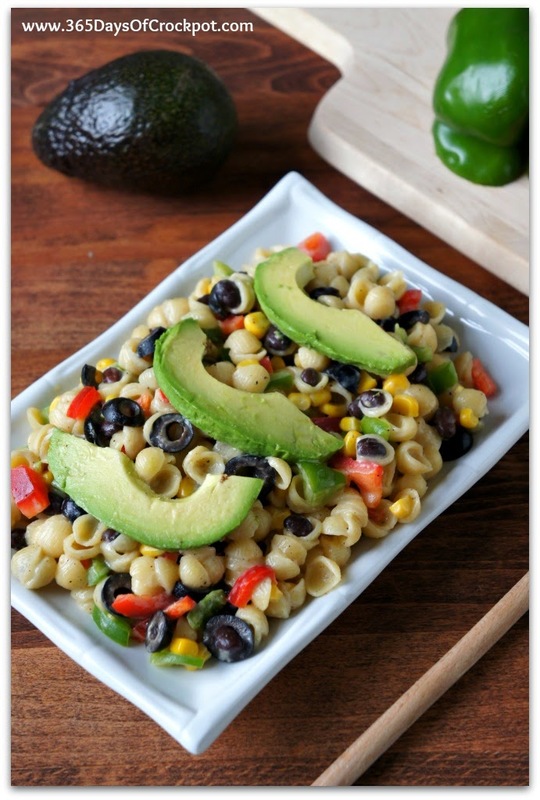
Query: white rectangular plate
(195, 707)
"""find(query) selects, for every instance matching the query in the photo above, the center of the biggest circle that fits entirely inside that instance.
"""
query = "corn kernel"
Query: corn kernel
(405, 405)
(300, 400)
(366, 382)
(402, 507)
(349, 443)
(104, 364)
(54, 403)
(320, 397)
(146, 550)
(248, 362)
(334, 409)
(396, 383)
(467, 418)
(183, 646)
(257, 323)
(275, 592)
(187, 486)
(48, 477)
(204, 286)
(350, 424)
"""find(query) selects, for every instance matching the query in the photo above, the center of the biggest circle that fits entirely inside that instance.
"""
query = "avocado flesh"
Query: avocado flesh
(157, 121)
(105, 483)
(344, 334)
(259, 424)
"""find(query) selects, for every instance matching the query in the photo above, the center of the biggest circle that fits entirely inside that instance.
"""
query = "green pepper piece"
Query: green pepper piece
(376, 425)
(280, 381)
(117, 629)
(97, 570)
(423, 353)
(165, 658)
(221, 269)
(442, 377)
(481, 96)
(320, 482)
(209, 605)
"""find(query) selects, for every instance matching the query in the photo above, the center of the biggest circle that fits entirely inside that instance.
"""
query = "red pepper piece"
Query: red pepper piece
(246, 583)
(316, 246)
(409, 301)
(481, 378)
(366, 475)
(180, 607)
(83, 402)
(29, 490)
(267, 364)
(235, 322)
(140, 606)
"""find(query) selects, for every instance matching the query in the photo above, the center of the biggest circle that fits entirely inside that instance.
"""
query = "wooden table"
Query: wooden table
(82, 257)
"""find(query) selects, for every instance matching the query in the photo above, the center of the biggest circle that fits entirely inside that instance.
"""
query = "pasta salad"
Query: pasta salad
(394, 433)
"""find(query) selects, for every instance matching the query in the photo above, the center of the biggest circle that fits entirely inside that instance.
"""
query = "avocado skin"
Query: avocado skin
(155, 121)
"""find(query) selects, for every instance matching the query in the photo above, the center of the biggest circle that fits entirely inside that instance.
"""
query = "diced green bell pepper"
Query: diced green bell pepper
(280, 381)
(221, 269)
(320, 482)
(442, 377)
(376, 425)
(117, 629)
(481, 96)
(165, 658)
(209, 605)
(97, 570)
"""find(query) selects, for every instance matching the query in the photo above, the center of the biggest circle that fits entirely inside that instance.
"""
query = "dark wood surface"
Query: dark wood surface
(82, 257)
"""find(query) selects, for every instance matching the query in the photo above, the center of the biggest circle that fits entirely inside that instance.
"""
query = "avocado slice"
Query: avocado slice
(105, 483)
(344, 334)
(260, 424)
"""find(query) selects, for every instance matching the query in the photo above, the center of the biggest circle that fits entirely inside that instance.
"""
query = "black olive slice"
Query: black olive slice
(253, 467)
(119, 583)
(159, 632)
(123, 411)
(172, 432)
(147, 345)
(229, 638)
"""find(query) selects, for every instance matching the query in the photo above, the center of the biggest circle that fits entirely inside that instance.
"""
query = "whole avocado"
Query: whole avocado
(155, 121)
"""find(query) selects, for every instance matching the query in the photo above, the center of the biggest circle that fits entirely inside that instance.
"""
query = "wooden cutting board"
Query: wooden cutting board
(374, 125)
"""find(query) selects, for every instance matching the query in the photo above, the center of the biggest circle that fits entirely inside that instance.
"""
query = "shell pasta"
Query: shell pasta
(218, 600)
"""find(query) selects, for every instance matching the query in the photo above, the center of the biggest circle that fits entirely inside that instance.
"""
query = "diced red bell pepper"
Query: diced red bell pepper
(267, 364)
(235, 322)
(140, 606)
(180, 607)
(366, 475)
(138, 631)
(409, 301)
(316, 246)
(29, 490)
(83, 402)
(481, 378)
(246, 583)
(145, 401)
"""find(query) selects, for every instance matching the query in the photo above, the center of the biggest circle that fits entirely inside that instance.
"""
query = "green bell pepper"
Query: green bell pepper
(481, 96)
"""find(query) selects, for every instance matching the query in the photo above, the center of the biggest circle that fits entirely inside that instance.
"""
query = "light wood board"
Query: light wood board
(374, 125)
